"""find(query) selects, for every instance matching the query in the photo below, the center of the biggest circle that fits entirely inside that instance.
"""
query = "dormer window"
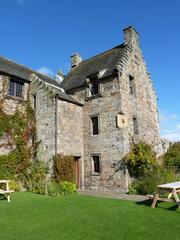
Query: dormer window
(15, 88)
(94, 87)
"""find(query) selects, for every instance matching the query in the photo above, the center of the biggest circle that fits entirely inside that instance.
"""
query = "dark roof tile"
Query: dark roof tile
(20, 71)
(9, 67)
(106, 60)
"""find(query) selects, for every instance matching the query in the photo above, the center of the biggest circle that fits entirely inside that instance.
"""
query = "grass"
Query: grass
(30, 217)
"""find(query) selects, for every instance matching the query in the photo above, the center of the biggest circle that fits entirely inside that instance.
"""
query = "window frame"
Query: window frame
(16, 83)
(93, 172)
(135, 126)
(131, 85)
(34, 98)
(89, 81)
(91, 125)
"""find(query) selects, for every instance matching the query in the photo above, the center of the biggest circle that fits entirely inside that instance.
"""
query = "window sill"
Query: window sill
(94, 96)
(95, 174)
(15, 98)
(95, 135)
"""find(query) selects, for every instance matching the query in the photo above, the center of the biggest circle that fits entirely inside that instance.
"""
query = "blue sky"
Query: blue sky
(42, 34)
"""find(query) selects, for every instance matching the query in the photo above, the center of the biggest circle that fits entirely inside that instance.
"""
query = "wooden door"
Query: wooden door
(77, 171)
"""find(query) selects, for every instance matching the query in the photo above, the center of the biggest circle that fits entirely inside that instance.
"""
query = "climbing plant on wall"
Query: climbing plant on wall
(16, 133)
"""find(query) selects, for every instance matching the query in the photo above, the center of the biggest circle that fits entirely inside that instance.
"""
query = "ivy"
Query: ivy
(16, 132)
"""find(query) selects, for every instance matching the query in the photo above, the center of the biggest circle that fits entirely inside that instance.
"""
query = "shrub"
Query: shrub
(148, 183)
(15, 185)
(140, 160)
(61, 188)
(67, 188)
(64, 168)
(36, 177)
(172, 157)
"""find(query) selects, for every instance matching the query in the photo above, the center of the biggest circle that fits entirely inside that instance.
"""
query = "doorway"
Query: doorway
(77, 170)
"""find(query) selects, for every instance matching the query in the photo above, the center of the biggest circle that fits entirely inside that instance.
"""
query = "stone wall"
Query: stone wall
(113, 142)
(143, 103)
(45, 120)
(69, 128)
(9, 105)
(70, 133)
(109, 144)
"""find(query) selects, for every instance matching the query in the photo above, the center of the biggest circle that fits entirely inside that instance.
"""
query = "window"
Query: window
(95, 125)
(34, 101)
(131, 85)
(95, 164)
(135, 126)
(16, 88)
(94, 86)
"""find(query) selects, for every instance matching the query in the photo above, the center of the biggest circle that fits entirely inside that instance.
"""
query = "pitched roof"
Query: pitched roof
(20, 71)
(105, 61)
(12, 68)
(64, 96)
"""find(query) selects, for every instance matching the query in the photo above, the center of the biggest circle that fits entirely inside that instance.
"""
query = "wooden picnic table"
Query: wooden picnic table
(171, 189)
(4, 189)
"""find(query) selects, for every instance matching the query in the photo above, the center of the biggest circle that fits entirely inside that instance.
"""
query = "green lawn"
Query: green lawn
(30, 217)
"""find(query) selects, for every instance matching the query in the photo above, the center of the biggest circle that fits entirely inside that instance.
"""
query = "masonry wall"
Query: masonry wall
(45, 120)
(113, 143)
(70, 133)
(143, 103)
(69, 129)
(109, 144)
(9, 105)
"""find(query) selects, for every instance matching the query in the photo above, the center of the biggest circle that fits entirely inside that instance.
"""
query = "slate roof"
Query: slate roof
(106, 60)
(20, 71)
(64, 96)
(12, 68)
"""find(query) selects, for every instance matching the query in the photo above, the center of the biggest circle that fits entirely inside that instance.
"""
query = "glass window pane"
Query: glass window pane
(96, 164)
(95, 125)
(15, 88)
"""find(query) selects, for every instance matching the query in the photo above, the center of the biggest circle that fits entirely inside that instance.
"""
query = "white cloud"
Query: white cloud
(170, 126)
(164, 116)
(172, 136)
(46, 71)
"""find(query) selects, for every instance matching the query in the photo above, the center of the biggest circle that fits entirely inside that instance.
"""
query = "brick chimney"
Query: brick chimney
(130, 34)
(75, 60)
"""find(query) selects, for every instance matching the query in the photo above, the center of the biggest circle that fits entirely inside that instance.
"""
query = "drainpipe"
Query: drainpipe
(56, 114)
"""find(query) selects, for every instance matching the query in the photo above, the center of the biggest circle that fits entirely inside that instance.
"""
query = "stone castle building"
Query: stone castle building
(94, 113)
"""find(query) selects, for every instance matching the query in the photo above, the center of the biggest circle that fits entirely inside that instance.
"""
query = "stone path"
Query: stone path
(113, 195)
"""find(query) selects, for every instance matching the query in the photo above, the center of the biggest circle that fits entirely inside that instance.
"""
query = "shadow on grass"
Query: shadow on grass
(2, 197)
(162, 205)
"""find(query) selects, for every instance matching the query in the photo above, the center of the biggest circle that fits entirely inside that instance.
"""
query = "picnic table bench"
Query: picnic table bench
(171, 189)
(4, 189)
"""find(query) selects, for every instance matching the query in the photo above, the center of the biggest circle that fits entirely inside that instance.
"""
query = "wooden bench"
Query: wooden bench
(172, 189)
(5, 191)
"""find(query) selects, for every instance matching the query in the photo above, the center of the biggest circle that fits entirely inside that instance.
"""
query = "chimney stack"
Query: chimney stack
(75, 60)
(130, 34)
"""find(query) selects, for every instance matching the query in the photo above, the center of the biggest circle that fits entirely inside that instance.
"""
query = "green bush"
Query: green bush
(172, 157)
(64, 168)
(140, 159)
(15, 185)
(148, 183)
(61, 188)
(67, 187)
(35, 179)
